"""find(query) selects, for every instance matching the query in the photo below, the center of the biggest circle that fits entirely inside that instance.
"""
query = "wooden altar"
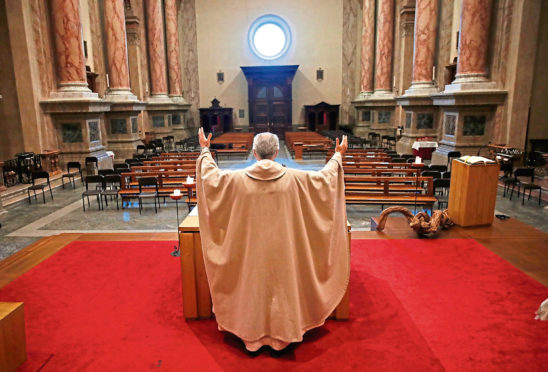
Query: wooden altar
(196, 295)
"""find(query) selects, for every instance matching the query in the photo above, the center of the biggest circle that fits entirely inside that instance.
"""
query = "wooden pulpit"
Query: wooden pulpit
(196, 295)
(473, 193)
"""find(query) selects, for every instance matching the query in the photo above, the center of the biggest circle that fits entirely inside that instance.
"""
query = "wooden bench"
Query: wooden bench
(390, 191)
(382, 171)
(231, 152)
(168, 181)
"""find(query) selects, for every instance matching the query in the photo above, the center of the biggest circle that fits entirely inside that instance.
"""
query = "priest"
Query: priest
(274, 243)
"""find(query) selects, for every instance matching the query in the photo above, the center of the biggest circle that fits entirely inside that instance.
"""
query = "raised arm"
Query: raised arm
(335, 163)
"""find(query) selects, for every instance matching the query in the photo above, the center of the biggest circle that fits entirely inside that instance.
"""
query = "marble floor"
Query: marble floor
(23, 223)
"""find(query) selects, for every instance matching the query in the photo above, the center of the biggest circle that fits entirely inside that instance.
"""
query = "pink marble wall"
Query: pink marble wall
(98, 42)
(67, 31)
(474, 37)
(368, 45)
(443, 57)
(385, 44)
(189, 59)
(115, 29)
(156, 47)
(173, 53)
(350, 62)
(426, 12)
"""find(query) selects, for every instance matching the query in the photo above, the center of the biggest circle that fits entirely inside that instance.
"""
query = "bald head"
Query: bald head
(266, 146)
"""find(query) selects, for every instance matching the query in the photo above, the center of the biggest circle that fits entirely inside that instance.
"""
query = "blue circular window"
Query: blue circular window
(269, 37)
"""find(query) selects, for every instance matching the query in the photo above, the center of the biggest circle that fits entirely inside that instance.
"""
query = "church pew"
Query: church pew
(381, 171)
(392, 192)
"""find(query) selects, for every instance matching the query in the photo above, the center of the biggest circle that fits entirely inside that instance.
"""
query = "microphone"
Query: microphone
(481, 147)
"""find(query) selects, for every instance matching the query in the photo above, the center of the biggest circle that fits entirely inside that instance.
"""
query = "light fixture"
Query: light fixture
(319, 74)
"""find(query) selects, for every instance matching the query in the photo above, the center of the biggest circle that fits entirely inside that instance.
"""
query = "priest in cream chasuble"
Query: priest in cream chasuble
(274, 244)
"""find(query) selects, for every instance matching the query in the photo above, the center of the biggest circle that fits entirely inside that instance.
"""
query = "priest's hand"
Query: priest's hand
(341, 148)
(204, 142)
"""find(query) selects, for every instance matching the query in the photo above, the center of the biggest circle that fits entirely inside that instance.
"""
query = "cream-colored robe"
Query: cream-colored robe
(275, 247)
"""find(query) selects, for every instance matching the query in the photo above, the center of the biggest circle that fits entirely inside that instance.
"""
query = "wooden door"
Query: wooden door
(270, 108)
(270, 102)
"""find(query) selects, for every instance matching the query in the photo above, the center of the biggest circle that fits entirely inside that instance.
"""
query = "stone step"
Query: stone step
(18, 193)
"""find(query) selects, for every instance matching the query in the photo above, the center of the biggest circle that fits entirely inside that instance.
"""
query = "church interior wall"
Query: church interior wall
(316, 27)
(11, 140)
(189, 60)
(538, 126)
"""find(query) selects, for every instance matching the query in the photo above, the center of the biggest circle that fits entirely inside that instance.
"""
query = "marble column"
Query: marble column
(473, 41)
(173, 55)
(368, 46)
(385, 45)
(426, 13)
(156, 48)
(115, 27)
(69, 53)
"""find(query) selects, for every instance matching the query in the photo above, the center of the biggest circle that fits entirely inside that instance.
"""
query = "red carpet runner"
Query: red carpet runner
(416, 305)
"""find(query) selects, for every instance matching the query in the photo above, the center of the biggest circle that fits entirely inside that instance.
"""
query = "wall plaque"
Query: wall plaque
(425, 121)
(450, 124)
(384, 117)
(71, 132)
(93, 130)
(474, 125)
(118, 126)
(158, 121)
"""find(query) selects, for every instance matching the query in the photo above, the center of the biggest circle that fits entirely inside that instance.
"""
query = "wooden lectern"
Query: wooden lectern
(196, 295)
(473, 193)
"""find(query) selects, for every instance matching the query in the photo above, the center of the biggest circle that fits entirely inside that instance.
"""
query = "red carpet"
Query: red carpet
(416, 305)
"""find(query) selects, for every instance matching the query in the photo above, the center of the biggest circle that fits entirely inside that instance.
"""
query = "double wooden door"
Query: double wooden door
(270, 98)
(270, 108)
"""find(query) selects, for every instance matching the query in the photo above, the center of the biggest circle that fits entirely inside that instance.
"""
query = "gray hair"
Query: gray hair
(266, 144)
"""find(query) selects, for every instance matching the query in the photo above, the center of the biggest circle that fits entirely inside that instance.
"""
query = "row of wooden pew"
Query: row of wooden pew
(366, 182)
(370, 178)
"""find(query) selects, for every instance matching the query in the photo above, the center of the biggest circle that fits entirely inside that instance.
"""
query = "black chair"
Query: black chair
(36, 176)
(96, 191)
(443, 195)
(530, 173)
(148, 188)
(105, 172)
(507, 179)
(408, 156)
(91, 163)
(123, 166)
(446, 175)
(410, 160)
(391, 142)
(398, 160)
(111, 185)
(451, 155)
(439, 168)
(72, 175)
(140, 149)
(430, 173)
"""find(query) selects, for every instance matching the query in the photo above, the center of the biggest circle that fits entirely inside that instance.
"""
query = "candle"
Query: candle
(108, 83)
(433, 73)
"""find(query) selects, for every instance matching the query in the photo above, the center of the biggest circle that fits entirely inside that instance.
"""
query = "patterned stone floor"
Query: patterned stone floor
(23, 224)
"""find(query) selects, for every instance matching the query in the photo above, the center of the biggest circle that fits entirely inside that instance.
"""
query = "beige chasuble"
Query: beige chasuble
(275, 247)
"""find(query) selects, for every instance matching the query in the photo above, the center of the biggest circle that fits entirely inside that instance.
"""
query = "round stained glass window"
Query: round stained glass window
(269, 37)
